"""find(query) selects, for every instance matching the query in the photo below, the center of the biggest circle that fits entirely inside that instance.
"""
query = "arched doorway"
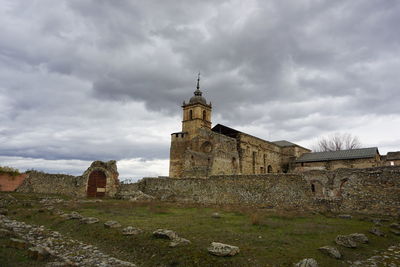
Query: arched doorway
(96, 184)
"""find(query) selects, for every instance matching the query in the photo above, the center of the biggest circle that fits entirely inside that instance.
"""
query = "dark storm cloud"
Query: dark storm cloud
(104, 79)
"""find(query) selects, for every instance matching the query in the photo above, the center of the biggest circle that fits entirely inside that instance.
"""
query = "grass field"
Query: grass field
(265, 237)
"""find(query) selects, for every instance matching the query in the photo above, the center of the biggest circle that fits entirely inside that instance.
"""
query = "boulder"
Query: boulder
(38, 253)
(359, 238)
(89, 220)
(307, 263)
(131, 231)
(112, 224)
(345, 241)
(163, 233)
(222, 250)
(376, 231)
(331, 251)
(179, 242)
(18, 243)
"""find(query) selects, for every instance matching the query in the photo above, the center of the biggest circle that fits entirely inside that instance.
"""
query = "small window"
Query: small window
(313, 188)
(392, 163)
(190, 114)
(204, 115)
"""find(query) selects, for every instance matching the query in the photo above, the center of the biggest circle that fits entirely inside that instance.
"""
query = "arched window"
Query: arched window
(204, 115)
(190, 114)
(269, 169)
(192, 161)
(254, 162)
(234, 166)
(313, 188)
(265, 164)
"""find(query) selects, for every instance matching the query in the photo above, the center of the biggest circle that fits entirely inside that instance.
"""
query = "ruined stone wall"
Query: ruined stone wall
(40, 182)
(337, 164)
(45, 183)
(284, 190)
(372, 190)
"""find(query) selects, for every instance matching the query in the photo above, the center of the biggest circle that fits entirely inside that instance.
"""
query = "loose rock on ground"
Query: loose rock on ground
(131, 231)
(307, 263)
(220, 249)
(112, 224)
(345, 241)
(331, 251)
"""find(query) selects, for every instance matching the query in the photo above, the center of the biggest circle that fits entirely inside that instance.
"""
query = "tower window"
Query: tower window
(204, 115)
(190, 114)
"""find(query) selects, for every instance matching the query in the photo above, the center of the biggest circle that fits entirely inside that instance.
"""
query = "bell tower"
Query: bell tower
(196, 113)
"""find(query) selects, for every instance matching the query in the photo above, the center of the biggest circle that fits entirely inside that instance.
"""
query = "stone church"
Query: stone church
(200, 151)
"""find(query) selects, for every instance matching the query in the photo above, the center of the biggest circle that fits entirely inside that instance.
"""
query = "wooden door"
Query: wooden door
(96, 184)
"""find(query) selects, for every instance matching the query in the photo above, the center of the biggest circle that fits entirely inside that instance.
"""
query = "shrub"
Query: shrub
(9, 171)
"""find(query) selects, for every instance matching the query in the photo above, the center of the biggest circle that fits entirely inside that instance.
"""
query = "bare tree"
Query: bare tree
(337, 141)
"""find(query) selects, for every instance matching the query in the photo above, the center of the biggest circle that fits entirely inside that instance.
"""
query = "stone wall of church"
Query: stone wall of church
(179, 144)
(258, 156)
(210, 153)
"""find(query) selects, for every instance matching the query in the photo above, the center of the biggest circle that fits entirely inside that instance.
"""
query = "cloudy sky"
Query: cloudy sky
(84, 80)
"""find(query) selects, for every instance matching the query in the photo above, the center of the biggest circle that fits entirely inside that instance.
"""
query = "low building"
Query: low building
(331, 160)
(393, 159)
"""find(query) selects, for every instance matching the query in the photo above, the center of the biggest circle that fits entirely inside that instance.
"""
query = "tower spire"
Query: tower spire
(198, 92)
(198, 81)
